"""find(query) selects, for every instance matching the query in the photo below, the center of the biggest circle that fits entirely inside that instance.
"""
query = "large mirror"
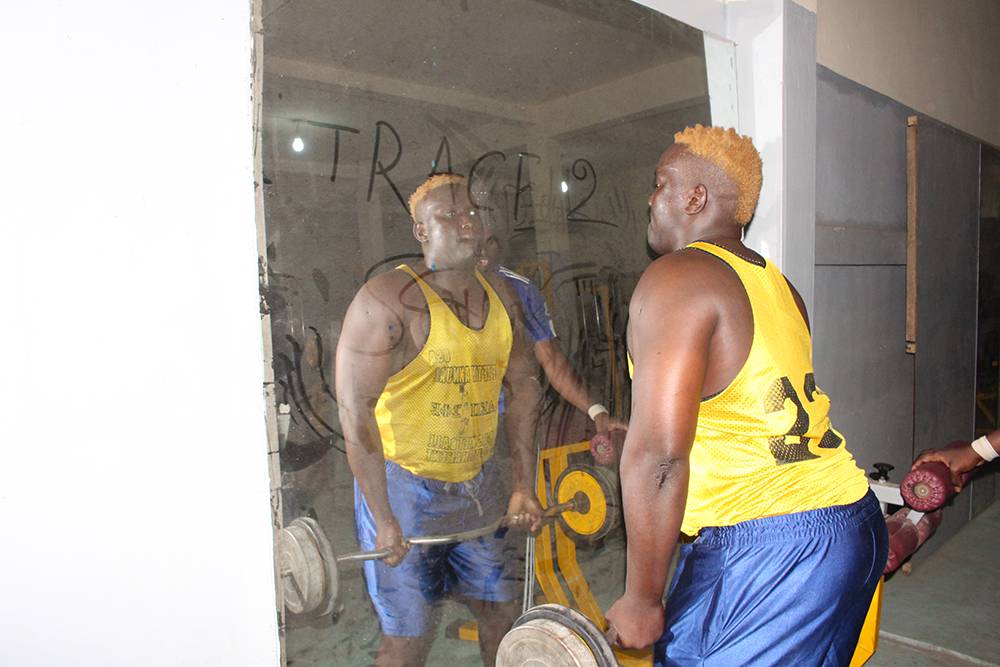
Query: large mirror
(491, 320)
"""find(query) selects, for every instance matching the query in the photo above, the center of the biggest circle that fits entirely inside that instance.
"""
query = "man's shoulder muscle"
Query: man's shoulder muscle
(682, 276)
(377, 314)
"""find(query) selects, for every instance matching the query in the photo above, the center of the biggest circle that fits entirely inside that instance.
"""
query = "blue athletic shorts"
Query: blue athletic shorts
(783, 590)
(486, 568)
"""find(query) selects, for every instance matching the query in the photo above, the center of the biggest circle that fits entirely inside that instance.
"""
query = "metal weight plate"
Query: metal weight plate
(332, 576)
(601, 514)
(308, 568)
(551, 635)
(543, 643)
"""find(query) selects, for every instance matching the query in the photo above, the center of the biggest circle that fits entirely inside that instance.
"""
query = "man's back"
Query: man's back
(764, 444)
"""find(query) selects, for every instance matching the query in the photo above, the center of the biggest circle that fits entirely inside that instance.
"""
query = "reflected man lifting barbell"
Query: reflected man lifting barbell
(420, 363)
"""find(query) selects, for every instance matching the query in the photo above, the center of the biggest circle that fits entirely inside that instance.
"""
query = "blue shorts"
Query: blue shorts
(486, 568)
(783, 590)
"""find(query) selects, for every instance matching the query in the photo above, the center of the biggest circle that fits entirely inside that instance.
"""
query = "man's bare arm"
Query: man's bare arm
(961, 459)
(522, 398)
(568, 383)
(670, 328)
(366, 356)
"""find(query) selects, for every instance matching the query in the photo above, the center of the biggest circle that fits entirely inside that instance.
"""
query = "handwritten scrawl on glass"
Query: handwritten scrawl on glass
(387, 152)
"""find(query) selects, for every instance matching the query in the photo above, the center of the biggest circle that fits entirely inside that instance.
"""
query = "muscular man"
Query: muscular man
(420, 362)
(549, 354)
(964, 459)
(729, 442)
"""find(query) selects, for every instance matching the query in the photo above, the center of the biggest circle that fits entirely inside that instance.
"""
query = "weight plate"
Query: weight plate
(551, 635)
(601, 514)
(331, 576)
(543, 643)
(301, 568)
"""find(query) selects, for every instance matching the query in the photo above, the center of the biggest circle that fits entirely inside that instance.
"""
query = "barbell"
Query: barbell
(587, 507)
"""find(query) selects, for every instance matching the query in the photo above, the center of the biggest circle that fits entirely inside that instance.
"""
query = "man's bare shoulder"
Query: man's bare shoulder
(683, 275)
(388, 282)
(390, 291)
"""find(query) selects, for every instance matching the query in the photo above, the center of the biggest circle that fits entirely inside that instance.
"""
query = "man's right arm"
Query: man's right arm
(568, 384)
(670, 328)
(366, 356)
(964, 459)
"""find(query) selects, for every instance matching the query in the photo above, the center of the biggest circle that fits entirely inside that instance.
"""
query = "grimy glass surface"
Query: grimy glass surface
(556, 112)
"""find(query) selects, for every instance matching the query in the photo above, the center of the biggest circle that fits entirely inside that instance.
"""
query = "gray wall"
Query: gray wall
(947, 281)
(889, 404)
(859, 313)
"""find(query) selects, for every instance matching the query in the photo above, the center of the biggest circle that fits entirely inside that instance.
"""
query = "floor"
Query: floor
(944, 614)
(947, 611)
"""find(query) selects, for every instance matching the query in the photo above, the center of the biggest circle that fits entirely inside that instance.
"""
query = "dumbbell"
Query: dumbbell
(603, 449)
(586, 506)
(929, 486)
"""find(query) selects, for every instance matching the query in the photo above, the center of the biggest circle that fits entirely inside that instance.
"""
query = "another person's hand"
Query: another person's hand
(638, 623)
(959, 460)
(388, 535)
(524, 511)
(606, 423)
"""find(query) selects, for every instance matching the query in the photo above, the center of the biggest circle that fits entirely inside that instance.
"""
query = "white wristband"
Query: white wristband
(985, 450)
(595, 410)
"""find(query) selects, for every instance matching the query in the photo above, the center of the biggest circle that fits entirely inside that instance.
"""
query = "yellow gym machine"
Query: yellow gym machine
(555, 552)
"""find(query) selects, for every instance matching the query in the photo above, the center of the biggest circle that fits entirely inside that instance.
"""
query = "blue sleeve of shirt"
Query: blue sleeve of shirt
(536, 311)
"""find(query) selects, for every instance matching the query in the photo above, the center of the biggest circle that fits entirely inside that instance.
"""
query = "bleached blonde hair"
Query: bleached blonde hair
(735, 155)
(432, 183)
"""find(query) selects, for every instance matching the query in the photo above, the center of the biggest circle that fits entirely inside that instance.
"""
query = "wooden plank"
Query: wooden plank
(911, 234)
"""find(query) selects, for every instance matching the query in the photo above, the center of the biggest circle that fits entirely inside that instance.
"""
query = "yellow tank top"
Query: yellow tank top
(764, 445)
(438, 415)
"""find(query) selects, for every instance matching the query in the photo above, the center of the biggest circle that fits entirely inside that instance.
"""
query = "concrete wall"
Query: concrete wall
(890, 405)
(859, 316)
(947, 278)
(939, 58)
(133, 489)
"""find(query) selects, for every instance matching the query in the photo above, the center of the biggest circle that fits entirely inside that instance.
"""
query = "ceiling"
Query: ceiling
(519, 51)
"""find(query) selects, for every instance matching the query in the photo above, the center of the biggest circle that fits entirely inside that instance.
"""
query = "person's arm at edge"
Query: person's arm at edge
(960, 460)
(365, 353)
(568, 383)
(670, 365)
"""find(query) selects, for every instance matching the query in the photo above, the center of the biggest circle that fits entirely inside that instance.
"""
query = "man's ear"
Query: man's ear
(696, 200)
(420, 232)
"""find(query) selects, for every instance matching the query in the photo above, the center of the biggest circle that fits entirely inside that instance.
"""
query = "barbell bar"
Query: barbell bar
(309, 568)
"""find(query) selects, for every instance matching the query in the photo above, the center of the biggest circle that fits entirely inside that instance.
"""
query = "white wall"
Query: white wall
(133, 487)
(941, 58)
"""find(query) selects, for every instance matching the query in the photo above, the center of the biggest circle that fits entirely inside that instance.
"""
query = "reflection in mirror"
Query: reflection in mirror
(454, 218)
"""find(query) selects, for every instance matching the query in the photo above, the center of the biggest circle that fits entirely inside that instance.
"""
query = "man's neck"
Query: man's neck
(448, 275)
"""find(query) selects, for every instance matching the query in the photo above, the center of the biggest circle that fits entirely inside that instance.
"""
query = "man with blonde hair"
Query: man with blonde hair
(421, 359)
(730, 442)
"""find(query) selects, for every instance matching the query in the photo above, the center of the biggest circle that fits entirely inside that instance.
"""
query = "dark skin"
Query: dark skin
(558, 368)
(690, 330)
(385, 327)
(960, 460)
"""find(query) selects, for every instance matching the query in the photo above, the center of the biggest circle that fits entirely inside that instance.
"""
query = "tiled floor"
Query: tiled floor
(947, 612)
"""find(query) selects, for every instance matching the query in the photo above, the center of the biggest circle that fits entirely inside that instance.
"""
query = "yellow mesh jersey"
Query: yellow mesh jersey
(438, 415)
(764, 445)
